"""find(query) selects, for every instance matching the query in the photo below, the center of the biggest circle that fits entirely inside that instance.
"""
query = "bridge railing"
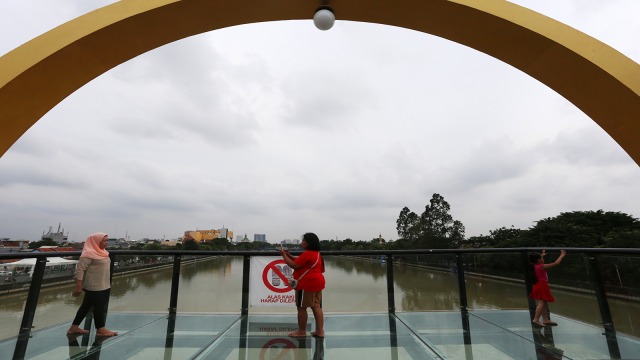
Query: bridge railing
(596, 267)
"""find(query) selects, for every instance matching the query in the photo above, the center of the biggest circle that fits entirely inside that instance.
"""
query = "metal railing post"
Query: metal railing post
(244, 322)
(528, 285)
(112, 266)
(246, 268)
(175, 284)
(171, 328)
(393, 337)
(242, 339)
(464, 308)
(390, 289)
(603, 304)
(462, 286)
(466, 335)
(34, 293)
(24, 333)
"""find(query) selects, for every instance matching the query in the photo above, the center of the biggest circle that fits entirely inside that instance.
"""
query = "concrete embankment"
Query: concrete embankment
(505, 279)
(23, 286)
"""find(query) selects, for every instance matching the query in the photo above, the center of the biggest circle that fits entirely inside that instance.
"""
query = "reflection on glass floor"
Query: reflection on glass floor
(427, 335)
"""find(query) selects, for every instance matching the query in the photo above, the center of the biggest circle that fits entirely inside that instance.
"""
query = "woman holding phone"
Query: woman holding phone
(308, 269)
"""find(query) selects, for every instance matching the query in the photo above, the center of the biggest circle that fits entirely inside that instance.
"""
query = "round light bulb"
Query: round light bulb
(324, 19)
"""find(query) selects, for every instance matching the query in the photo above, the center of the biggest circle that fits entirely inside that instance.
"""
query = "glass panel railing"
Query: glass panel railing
(572, 288)
(141, 283)
(11, 309)
(426, 283)
(355, 284)
(621, 279)
(495, 281)
(210, 284)
(422, 283)
(16, 282)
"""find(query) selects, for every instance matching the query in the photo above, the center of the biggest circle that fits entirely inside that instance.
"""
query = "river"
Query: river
(353, 285)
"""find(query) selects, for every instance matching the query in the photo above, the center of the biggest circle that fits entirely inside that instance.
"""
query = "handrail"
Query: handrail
(595, 251)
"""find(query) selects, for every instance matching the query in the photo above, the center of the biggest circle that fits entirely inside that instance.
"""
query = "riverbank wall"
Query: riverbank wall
(23, 286)
(510, 280)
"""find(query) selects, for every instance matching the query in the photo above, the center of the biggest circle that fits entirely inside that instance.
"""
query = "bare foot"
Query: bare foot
(318, 334)
(73, 338)
(75, 329)
(105, 332)
(298, 334)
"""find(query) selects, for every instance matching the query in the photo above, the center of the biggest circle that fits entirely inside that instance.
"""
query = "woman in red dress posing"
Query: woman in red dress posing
(540, 291)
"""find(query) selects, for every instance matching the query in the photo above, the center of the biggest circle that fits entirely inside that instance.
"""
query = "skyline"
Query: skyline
(279, 128)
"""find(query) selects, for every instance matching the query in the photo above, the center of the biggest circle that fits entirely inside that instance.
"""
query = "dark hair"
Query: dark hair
(312, 240)
(531, 270)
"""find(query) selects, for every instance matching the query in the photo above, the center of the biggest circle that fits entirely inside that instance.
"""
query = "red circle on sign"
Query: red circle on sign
(265, 279)
(287, 343)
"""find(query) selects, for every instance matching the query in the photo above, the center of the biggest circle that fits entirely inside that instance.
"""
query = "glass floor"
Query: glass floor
(487, 334)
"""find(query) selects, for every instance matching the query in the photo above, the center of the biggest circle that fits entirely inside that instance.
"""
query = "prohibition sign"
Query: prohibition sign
(288, 346)
(265, 279)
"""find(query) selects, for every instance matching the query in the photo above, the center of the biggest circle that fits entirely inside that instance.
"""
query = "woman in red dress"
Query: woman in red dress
(540, 291)
(308, 269)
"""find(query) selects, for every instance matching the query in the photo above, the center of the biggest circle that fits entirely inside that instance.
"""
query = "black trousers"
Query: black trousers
(99, 301)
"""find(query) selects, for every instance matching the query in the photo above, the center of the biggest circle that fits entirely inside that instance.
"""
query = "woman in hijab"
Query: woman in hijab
(93, 276)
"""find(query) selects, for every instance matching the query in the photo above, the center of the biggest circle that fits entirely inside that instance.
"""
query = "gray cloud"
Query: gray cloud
(278, 128)
(583, 146)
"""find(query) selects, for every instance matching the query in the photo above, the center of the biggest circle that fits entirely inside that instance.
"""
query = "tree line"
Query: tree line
(435, 228)
(588, 229)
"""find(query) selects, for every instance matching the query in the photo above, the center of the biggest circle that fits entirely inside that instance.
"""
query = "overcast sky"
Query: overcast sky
(279, 128)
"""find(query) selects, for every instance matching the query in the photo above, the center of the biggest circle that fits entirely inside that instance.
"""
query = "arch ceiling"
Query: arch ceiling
(596, 78)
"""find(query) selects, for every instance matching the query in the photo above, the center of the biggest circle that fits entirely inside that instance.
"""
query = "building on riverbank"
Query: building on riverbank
(55, 265)
(8, 245)
(201, 236)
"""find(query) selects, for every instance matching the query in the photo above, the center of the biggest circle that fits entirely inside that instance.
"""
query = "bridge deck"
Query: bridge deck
(489, 334)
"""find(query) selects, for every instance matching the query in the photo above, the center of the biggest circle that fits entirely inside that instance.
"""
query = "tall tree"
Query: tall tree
(407, 224)
(435, 223)
(456, 234)
(435, 228)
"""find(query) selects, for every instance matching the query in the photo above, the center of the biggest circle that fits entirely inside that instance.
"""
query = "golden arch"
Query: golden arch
(596, 78)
